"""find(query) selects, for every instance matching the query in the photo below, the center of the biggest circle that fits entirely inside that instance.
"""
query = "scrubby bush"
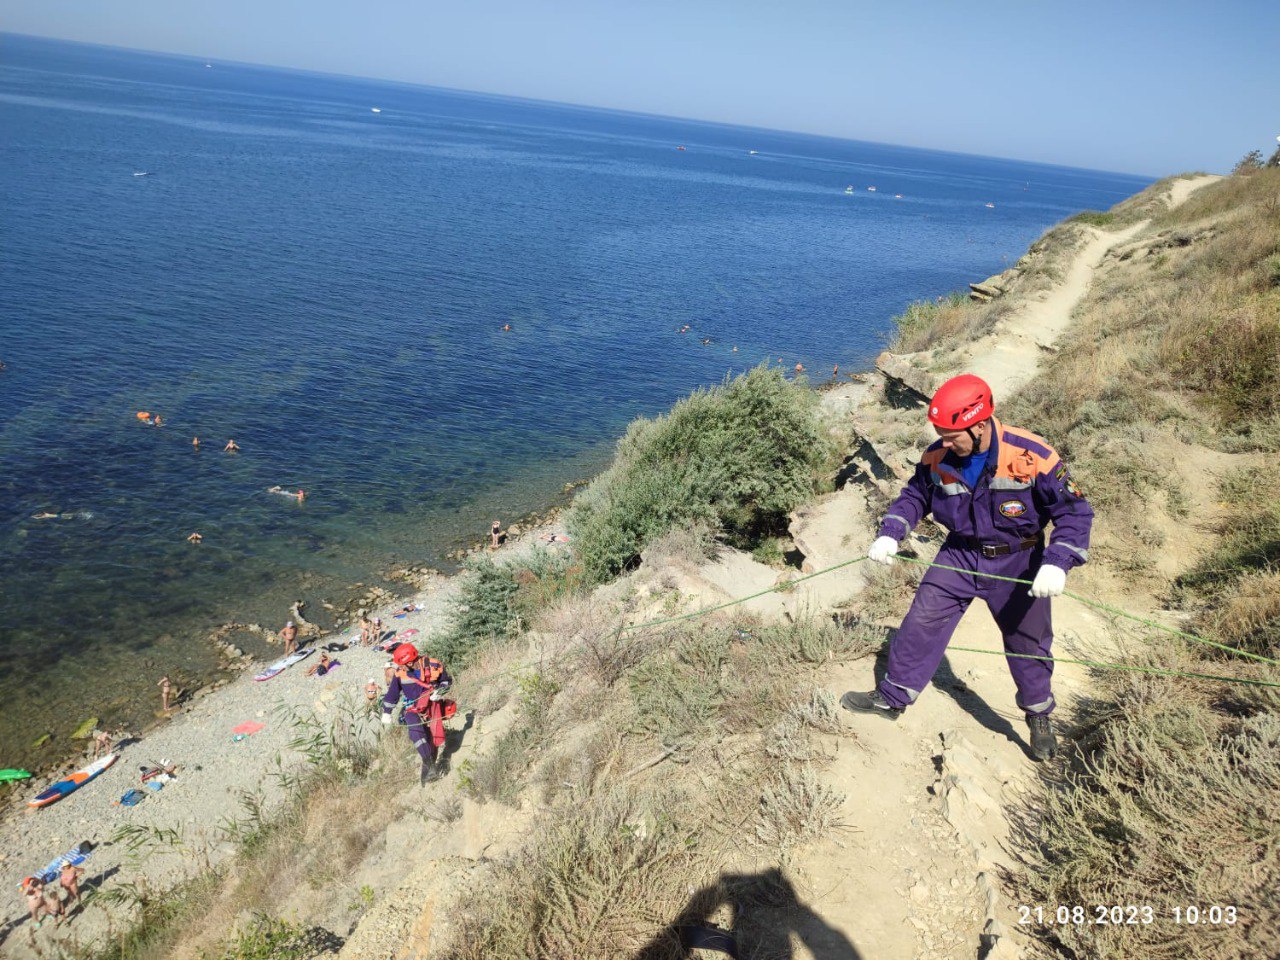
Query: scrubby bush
(735, 458)
(496, 601)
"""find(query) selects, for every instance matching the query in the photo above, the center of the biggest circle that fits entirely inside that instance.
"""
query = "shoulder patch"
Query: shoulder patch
(1073, 488)
(1061, 472)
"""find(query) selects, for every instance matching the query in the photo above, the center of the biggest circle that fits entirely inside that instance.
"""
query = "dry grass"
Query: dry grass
(927, 324)
(674, 780)
(1170, 802)
(601, 878)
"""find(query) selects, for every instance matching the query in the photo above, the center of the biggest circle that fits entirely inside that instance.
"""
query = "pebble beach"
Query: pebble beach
(215, 768)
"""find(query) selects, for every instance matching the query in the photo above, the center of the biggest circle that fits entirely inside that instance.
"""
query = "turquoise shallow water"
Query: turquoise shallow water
(328, 286)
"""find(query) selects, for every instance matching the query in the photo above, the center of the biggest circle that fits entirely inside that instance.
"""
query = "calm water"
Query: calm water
(328, 286)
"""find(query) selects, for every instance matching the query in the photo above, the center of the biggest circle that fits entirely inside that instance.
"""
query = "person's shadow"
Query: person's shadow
(453, 739)
(765, 913)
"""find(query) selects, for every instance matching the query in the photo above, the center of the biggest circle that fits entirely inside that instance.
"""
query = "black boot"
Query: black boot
(1044, 745)
(871, 702)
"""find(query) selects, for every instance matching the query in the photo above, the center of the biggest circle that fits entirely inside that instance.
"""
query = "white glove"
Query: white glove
(882, 550)
(386, 720)
(436, 694)
(1050, 581)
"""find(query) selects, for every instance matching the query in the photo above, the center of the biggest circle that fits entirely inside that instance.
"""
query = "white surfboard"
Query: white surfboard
(282, 665)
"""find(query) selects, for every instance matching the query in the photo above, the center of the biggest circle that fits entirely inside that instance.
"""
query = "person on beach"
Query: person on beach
(231, 447)
(495, 535)
(421, 681)
(69, 878)
(325, 664)
(53, 904)
(366, 629)
(371, 693)
(101, 744)
(166, 688)
(33, 890)
(290, 637)
(194, 537)
(995, 488)
(377, 630)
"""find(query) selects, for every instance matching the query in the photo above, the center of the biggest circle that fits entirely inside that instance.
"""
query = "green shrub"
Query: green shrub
(270, 939)
(736, 458)
(496, 601)
(1094, 218)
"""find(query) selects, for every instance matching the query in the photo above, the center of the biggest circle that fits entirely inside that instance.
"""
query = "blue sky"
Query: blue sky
(1140, 87)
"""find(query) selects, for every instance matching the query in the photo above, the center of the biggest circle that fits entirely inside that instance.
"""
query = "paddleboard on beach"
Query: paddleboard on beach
(282, 665)
(73, 782)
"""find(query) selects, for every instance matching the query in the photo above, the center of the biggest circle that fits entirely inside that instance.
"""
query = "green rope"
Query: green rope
(1133, 668)
(1115, 611)
(733, 603)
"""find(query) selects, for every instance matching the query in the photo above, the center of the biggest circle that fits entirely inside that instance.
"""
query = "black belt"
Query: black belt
(990, 550)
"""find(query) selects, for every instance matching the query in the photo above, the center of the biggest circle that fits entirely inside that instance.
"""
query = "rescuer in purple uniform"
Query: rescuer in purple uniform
(995, 488)
(417, 677)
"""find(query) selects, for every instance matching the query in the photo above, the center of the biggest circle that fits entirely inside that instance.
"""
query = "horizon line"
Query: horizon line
(569, 104)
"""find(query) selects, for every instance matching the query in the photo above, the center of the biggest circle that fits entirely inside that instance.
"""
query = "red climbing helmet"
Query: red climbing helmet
(961, 402)
(405, 654)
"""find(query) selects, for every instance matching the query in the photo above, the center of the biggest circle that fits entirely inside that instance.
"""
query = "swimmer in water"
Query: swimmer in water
(231, 447)
(799, 368)
(195, 442)
(299, 496)
(156, 421)
(46, 515)
(506, 328)
(194, 538)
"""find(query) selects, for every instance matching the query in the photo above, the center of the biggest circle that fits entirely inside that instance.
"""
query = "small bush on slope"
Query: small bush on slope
(736, 458)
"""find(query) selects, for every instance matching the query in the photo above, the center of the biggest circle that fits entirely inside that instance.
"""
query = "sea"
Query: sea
(426, 308)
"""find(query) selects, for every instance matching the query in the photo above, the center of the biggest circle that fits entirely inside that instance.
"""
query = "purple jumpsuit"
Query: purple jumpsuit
(997, 527)
(410, 691)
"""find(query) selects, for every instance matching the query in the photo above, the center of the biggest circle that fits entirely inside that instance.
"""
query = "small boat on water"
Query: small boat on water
(142, 173)
(679, 148)
(849, 189)
(989, 206)
(753, 152)
(375, 109)
(897, 196)
(871, 189)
